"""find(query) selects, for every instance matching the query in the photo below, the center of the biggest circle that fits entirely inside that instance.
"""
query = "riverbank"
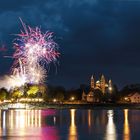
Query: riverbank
(91, 106)
(69, 106)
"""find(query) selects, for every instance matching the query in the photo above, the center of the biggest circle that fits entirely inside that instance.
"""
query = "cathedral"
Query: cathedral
(102, 85)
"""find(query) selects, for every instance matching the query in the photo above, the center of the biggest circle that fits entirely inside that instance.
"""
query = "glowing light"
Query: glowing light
(72, 98)
(110, 88)
(34, 51)
(54, 120)
(4, 119)
(110, 129)
(126, 135)
(72, 129)
(89, 118)
(54, 100)
(26, 123)
(25, 118)
(7, 101)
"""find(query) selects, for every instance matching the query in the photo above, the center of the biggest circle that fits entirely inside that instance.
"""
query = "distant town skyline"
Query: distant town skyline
(95, 37)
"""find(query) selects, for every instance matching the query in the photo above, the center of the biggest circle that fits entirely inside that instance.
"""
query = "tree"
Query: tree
(33, 90)
(17, 94)
(3, 94)
(59, 96)
(54, 92)
(42, 91)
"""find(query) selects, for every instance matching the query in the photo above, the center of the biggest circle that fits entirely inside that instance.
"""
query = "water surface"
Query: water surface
(70, 124)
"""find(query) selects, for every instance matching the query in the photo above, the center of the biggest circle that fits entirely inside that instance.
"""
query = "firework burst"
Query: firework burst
(34, 49)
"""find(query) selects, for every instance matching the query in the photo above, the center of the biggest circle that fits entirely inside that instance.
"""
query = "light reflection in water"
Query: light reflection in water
(72, 129)
(89, 118)
(54, 120)
(4, 123)
(22, 119)
(4, 119)
(126, 132)
(0, 124)
(110, 128)
(28, 123)
(71, 124)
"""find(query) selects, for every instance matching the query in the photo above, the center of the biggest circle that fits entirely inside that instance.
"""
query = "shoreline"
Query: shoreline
(72, 106)
(92, 106)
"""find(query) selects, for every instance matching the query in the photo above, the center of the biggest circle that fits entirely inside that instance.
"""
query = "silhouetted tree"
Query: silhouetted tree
(3, 94)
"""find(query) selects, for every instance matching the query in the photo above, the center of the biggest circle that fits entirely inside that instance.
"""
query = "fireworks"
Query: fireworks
(34, 50)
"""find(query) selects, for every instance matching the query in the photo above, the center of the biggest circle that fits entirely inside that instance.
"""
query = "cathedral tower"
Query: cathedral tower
(92, 82)
(110, 86)
(103, 83)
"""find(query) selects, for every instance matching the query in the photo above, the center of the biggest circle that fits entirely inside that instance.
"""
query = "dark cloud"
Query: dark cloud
(15, 5)
(95, 36)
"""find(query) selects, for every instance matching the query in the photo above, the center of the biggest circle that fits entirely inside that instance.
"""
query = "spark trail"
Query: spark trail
(34, 51)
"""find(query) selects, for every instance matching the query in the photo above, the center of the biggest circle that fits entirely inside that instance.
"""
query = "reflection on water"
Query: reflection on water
(126, 135)
(17, 119)
(70, 124)
(110, 128)
(21, 123)
(89, 118)
(72, 129)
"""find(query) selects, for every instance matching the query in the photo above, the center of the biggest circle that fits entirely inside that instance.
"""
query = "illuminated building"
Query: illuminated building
(84, 96)
(132, 97)
(90, 97)
(100, 85)
(110, 89)
(97, 85)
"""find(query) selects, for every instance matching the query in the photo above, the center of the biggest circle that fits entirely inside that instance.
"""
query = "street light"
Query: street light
(54, 100)
(72, 98)
(110, 88)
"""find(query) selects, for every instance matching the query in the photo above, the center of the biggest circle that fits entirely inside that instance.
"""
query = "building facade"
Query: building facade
(101, 85)
(133, 97)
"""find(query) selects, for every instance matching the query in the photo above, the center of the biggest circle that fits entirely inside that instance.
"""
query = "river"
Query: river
(70, 124)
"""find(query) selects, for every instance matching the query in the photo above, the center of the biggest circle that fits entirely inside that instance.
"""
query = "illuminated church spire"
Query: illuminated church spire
(92, 82)
(103, 84)
(110, 86)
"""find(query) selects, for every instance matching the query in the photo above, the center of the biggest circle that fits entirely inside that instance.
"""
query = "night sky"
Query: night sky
(94, 36)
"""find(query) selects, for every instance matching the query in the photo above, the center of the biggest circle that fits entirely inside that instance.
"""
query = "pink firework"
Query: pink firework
(34, 49)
